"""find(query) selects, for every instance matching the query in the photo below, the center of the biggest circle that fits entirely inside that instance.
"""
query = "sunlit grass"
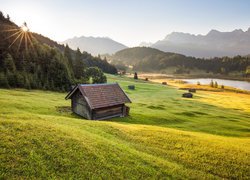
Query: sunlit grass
(166, 136)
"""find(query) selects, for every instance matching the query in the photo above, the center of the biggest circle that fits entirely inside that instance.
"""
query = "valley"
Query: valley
(206, 137)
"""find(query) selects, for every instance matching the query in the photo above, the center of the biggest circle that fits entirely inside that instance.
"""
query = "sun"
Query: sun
(25, 28)
(22, 35)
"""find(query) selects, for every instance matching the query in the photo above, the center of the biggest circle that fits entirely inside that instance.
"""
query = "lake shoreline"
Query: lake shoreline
(182, 83)
(193, 76)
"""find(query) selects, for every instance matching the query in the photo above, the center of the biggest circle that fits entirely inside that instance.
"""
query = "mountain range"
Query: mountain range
(95, 45)
(213, 44)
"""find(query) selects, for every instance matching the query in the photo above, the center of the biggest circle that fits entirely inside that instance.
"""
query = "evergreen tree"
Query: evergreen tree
(216, 84)
(135, 75)
(68, 56)
(9, 63)
(3, 81)
(20, 80)
(212, 83)
(248, 71)
(11, 77)
(26, 82)
(79, 65)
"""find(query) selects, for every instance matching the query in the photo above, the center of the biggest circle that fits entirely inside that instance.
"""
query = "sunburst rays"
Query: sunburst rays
(20, 35)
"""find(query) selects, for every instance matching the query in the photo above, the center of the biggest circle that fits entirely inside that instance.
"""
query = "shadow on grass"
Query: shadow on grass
(198, 118)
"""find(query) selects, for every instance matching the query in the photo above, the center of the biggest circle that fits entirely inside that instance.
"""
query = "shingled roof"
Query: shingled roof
(101, 95)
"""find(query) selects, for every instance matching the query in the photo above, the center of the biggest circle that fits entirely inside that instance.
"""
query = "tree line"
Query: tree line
(28, 62)
(150, 59)
(223, 65)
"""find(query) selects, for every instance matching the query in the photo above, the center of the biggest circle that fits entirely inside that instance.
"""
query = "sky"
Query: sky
(129, 21)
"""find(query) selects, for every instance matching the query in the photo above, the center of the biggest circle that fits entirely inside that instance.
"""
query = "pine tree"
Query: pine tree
(248, 71)
(9, 63)
(20, 80)
(135, 75)
(27, 83)
(79, 65)
(216, 84)
(68, 56)
(212, 83)
(11, 77)
(3, 81)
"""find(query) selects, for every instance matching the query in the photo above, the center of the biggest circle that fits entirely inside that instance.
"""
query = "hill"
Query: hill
(213, 44)
(30, 60)
(95, 45)
(150, 59)
(132, 56)
(165, 136)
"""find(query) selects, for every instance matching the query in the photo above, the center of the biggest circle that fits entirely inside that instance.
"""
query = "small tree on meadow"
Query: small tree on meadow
(198, 83)
(248, 71)
(135, 75)
(96, 74)
(216, 84)
(212, 83)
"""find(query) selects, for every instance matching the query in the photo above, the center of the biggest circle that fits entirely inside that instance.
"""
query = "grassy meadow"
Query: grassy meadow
(165, 136)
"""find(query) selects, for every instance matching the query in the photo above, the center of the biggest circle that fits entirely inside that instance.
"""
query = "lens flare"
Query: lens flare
(25, 28)
(20, 35)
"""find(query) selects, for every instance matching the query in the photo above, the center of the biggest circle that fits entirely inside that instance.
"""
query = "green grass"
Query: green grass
(166, 136)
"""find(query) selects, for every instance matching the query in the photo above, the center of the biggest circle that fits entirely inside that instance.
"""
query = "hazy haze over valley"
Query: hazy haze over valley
(214, 43)
(95, 45)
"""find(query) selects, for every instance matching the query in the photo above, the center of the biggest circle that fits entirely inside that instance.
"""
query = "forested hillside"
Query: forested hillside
(149, 59)
(32, 61)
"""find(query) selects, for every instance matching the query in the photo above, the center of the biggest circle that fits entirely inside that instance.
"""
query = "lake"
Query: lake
(233, 83)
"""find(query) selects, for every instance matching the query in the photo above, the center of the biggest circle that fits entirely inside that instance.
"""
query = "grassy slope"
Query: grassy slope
(165, 136)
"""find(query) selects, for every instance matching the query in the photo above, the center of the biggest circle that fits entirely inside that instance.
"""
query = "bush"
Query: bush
(96, 74)
(135, 75)
(212, 83)
(216, 84)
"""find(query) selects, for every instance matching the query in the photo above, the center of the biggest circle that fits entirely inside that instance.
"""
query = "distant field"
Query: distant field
(166, 136)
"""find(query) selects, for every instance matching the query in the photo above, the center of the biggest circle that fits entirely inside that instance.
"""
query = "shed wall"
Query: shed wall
(80, 106)
(108, 112)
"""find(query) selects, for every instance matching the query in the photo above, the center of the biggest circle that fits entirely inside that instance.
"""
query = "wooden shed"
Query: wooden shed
(99, 101)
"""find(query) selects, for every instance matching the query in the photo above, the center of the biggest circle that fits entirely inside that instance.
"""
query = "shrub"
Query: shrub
(212, 83)
(135, 75)
(216, 84)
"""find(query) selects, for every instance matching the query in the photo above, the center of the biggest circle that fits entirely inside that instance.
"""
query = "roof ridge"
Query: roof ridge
(101, 84)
